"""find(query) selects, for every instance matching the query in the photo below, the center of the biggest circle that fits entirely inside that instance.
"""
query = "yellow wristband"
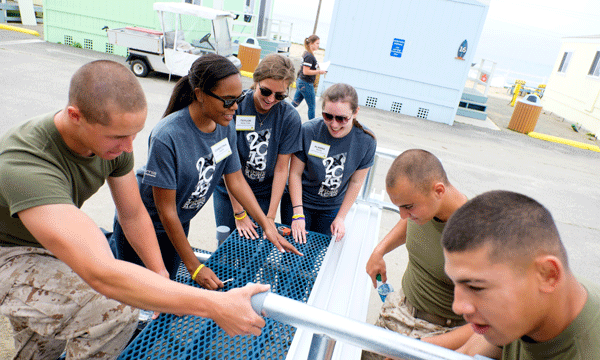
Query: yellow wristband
(197, 271)
(241, 217)
(298, 216)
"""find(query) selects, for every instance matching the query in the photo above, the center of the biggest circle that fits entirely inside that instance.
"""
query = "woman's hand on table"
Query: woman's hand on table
(299, 230)
(246, 228)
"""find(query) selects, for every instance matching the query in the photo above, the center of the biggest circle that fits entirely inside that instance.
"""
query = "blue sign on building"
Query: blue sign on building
(397, 48)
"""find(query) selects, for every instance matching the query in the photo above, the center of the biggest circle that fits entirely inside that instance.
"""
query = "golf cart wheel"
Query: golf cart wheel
(139, 68)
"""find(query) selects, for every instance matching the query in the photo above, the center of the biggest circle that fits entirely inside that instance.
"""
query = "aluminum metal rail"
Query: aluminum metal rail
(365, 194)
(365, 336)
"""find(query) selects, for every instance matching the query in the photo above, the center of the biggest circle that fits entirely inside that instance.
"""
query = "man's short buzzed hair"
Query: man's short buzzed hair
(103, 86)
(516, 227)
(420, 167)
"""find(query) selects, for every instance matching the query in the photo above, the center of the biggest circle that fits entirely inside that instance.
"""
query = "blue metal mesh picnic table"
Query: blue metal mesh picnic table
(257, 261)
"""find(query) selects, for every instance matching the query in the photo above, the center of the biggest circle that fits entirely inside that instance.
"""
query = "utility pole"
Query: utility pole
(317, 19)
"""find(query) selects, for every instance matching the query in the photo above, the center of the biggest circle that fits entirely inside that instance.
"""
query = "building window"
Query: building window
(564, 63)
(595, 68)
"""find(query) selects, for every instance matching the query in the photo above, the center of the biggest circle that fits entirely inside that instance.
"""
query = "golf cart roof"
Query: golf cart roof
(190, 9)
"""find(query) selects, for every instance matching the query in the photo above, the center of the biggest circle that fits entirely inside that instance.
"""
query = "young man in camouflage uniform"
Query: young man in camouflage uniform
(422, 308)
(60, 285)
(513, 283)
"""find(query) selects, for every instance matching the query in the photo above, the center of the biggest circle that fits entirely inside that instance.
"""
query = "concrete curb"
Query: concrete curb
(564, 141)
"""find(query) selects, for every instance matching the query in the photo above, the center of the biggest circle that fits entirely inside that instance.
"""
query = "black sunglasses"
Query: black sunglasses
(267, 92)
(338, 118)
(227, 103)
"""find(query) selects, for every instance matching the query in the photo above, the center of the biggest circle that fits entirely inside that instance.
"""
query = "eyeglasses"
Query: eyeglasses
(267, 92)
(341, 119)
(227, 103)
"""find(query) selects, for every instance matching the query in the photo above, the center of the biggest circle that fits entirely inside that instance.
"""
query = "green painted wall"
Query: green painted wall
(72, 21)
(81, 21)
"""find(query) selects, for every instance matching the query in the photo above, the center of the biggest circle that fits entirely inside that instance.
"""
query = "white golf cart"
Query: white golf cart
(188, 32)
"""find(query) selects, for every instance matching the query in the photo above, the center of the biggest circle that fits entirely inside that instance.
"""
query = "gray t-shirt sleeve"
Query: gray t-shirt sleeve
(160, 168)
(369, 158)
(233, 161)
(306, 135)
(291, 140)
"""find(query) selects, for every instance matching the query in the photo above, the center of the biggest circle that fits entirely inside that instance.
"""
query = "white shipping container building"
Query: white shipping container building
(404, 56)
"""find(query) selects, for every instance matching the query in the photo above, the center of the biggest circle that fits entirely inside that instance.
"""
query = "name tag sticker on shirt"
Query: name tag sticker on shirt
(318, 149)
(245, 122)
(221, 150)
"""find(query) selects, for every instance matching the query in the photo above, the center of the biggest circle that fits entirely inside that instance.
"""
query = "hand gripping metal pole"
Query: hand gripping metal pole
(363, 335)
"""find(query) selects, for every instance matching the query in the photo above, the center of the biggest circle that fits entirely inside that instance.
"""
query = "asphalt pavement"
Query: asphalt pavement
(35, 80)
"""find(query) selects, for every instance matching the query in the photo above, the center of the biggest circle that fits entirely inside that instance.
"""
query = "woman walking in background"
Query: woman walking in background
(327, 174)
(305, 85)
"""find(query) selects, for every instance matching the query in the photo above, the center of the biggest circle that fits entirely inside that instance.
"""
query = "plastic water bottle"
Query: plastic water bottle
(383, 288)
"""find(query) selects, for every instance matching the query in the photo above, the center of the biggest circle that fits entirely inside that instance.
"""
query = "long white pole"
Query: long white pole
(363, 335)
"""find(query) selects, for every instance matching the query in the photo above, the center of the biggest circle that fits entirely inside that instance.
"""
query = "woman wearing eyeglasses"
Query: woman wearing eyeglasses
(189, 149)
(268, 132)
(305, 85)
(327, 174)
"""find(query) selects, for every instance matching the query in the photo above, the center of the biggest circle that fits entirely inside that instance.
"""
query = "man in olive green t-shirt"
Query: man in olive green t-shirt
(417, 183)
(60, 285)
(513, 283)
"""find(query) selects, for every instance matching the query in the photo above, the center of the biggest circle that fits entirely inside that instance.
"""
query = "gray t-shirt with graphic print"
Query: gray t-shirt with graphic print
(276, 132)
(185, 159)
(331, 163)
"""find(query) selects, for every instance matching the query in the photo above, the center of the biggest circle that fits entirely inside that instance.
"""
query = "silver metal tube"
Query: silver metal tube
(369, 180)
(363, 335)
(202, 257)
(321, 347)
(381, 204)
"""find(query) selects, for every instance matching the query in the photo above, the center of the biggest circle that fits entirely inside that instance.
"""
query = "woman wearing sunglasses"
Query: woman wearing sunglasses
(268, 132)
(327, 174)
(189, 149)
(305, 85)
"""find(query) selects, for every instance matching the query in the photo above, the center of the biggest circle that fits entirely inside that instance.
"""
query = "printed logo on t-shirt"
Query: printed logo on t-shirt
(257, 158)
(334, 171)
(150, 173)
(206, 168)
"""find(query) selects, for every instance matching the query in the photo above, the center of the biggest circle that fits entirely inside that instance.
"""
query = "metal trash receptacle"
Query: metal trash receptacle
(526, 114)
(249, 56)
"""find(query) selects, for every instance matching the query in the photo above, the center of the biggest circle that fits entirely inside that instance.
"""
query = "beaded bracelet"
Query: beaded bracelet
(241, 217)
(197, 271)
